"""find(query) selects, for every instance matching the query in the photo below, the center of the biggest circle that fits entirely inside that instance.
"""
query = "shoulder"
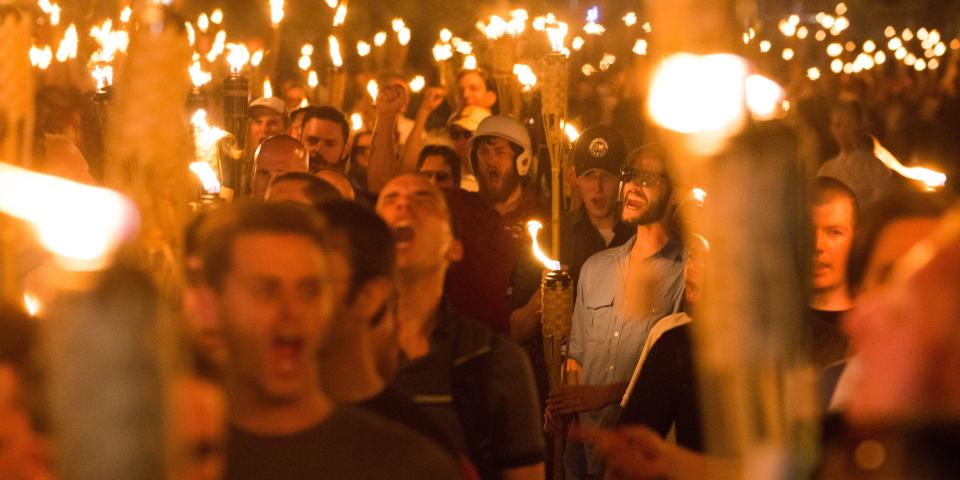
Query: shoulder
(601, 261)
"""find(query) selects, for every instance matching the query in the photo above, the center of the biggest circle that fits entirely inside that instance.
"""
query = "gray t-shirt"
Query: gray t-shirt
(350, 443)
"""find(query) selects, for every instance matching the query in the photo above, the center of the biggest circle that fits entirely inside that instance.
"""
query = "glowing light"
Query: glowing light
(577, 43)
(216, 17)
(699, 194)
(834, 49)
(470, 62)
(276, 12)
(373, 90)
(81, 224)
(869, 46)
(68, 46)
(940, 49)
(827, 21)
(203, 23)
(933, 64)
(630, 19)
(910, 60)
(850, 46)
(820, 36)
(496, 27)
(340, 16)
(813, 73)
(607, 61)
(533, 227)
(802, 33)
(588, 69)
(788, 29)
(787, 54)
(208, 178)
(304, 103)
(304, 63)
(880, 58)
(198, 76)
(765, 46)
(442, 52)
(557, 33)
(900, 54)
(920, 65)
(907, 35)
(922, 34)
(219, 43)
(699, 94)
(894, 43)
(335, 57)
(267, 89)
(445, 35)
(403, 36)
(237, 56)
(840, 25)
(763, 96)
(848, 68)
(125, 14)
(397, 24)
(191, 34)
(836, 66)
(890, 32)
(570, 131)
(356, 122)
(306, 49)
(593, 28)
(954, 44)
(525, 76)
(462, 46)
(363, 48)
(417, 83)
(103, 75)
(380, 38)
(31, 303)
(331, 3)
(640, 47)
(313, 80)
(256, 58)
(932, 179)
(647, 27)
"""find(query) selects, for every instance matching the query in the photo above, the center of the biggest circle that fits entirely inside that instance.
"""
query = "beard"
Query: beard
(506, 186)
(654, 213)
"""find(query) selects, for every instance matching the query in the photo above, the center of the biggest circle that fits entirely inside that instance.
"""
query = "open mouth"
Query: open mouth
(403, 234)
(287, 351)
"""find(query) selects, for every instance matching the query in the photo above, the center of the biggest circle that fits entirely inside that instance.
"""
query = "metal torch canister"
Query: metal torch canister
(556, 288)
(103, 99)
(197, 99)
(236, 98)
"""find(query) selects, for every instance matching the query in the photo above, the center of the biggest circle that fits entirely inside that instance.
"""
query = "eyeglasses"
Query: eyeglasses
(438, 176)
(460, 134)
(641, 178)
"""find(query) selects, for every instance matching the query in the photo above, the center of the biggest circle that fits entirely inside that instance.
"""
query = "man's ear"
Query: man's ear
(455, 251)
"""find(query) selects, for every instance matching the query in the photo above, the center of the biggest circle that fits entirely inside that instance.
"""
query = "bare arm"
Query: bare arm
(432, 99)
(383, 159)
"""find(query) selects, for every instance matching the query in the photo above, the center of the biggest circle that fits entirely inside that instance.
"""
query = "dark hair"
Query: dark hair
(486, 140)
(329, 114)
(653, 150)
(318, 191)
(901, 205)
(828, 189)
(449, 155)
(221, 229)
(370, 247)
(488, 81)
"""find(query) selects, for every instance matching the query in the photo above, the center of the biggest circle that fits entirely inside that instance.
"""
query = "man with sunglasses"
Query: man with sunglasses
(441, 165)
(621, 294)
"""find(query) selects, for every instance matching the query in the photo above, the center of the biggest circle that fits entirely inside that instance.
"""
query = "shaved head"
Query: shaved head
(277, 155)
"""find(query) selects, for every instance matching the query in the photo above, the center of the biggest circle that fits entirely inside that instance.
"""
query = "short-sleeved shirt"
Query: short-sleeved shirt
(507, 384)
(349, 443)
(606, 341)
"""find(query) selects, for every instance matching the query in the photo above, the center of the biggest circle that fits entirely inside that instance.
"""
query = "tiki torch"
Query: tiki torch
(197, 99)
(103, 96)
(556, 290)
(236, 97)
(553, 95)
(338, 77)
(503, 52)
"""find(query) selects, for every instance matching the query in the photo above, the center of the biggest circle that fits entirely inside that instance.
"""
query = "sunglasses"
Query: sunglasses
(641, 178)
(439, 176)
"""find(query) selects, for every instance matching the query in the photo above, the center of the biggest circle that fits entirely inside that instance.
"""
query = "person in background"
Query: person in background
(325, 133)
(275, 156)
(301, 188)
(267, 117)
(441, 165)
(360, 157)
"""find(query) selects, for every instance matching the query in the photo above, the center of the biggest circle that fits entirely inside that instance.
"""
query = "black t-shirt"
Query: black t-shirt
(666, 391)
(395, 406)
(829, 343)
(349, 444)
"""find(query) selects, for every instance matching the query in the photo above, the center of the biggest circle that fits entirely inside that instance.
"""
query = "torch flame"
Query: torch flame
(335, 56)
(237, 56)
(125, 14)
(442, 52)
(79, 223)
(68, 46)
(208, 178)
(445, 35)
(267, 89)
(313, 80)
(219, 44)
(557, 33)
(525, 76)
(276, 12)
(470, 62)
(397, 24)
(331, 3)
(363, 48)
(699, 194)
(198, 76)
(380, 38)
(373, 89)
(356, 122)
(256, 58)
(417, 84)
(217, 16)
(31, 303)
(41, 57)
(932, 179)
(203, 23)
(570, 131)
(534, 227)
(340, 16)
(403, 36)
(191, 34)
(103, 76)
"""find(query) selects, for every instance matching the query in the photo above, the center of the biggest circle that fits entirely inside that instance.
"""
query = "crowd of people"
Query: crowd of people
(369, 305)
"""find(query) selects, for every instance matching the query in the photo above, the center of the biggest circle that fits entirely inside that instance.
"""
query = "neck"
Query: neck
(511, 203)
(605, 222)
(650, 239)
(249, 411)
(835, 299)
(419, 295)
(350, 374)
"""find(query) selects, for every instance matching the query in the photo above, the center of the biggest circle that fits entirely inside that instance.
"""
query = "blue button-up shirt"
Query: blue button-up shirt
(608, 330)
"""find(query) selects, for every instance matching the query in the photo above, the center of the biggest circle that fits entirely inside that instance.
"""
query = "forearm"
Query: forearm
(383, 159)
(411, 149)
